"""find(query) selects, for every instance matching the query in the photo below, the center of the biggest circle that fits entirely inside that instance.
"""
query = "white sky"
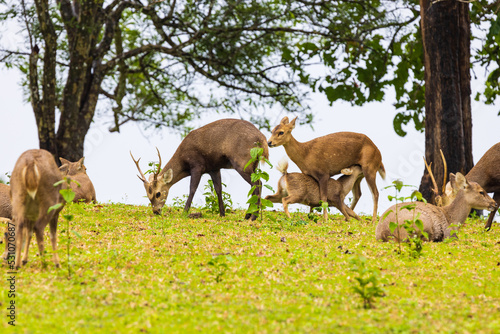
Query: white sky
(114, 174)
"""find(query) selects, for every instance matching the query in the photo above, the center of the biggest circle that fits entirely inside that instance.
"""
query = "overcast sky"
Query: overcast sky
(114, 173)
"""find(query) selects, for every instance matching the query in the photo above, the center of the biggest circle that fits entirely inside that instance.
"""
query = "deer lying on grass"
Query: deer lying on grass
(301, 188)
(437, 221)
(221, 144)
(84, 189)
(326, 156)
(487, 174)
(33, 193)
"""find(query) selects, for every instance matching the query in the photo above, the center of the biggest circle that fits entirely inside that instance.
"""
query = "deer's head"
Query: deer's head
(72, 168)
(474, 194)
(157, 186)
(282, 132)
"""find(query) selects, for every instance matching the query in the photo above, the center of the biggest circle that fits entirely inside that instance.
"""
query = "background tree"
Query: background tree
(165, 63)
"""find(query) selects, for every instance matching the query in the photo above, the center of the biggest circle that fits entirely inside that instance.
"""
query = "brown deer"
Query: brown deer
(83, 189)
(486, 173)
(326, 156)
(33, 193)
(301, 188)
(221, 144)
(438, 221)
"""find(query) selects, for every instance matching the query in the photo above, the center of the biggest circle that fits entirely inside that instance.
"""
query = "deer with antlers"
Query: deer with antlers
(326, 156)
(221, 144)
(486, 173)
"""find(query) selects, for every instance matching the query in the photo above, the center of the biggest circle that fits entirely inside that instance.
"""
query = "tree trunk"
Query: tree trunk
(446, 38)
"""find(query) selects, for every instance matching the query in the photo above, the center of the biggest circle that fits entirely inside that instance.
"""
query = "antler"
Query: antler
(159, 163)
(445, 171)
(435, 189)
(142, 177)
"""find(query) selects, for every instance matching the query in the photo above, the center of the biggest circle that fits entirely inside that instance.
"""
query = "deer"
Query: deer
(486, 173)
(221, 144)
(438, 222)
(326, 156)
(303, 189)
(83, 187)
(33, 193)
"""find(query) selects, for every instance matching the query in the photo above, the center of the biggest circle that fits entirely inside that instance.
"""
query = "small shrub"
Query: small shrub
(368, 282)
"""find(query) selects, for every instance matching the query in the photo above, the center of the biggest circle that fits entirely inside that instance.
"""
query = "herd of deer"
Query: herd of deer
(31, 193)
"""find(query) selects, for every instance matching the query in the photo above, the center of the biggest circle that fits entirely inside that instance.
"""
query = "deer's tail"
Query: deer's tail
(31, 179)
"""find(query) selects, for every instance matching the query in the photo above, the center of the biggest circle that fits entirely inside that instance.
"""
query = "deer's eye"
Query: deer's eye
(481, 192)
(281, 133)
(158, 194)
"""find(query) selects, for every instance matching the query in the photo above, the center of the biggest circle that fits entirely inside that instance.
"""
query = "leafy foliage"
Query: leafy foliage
(368, 282)
(257, 203)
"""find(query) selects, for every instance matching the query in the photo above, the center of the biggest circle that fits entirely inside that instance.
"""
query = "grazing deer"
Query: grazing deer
(438, 221)
(221, 144)
(301, 188)
(84, 189)
(33, 193)
(326, 156)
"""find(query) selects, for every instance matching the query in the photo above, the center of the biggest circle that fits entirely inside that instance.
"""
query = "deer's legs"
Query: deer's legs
(39, 239)
(323, 193)
(193, 185)
(28, 233)
(356, 192)
(496, 198)
(53, 239)
(20, 227)
(370, 179)
(217, 180)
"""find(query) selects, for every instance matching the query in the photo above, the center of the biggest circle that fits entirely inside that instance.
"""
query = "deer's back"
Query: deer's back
(46, 194)
(433, 218)
(339, 150)
(5, 204)
(221, 143)
(487, 170)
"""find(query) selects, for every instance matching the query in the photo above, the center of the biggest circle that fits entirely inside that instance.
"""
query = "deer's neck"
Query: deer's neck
(297, 151)
(347, 182)
(458, 210)
(177, 168)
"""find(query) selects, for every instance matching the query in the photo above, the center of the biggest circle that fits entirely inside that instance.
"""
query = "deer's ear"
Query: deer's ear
(80, 163)
(461, 181)
(167, 176)
(284, 121)
(292, 123)
(64, 161)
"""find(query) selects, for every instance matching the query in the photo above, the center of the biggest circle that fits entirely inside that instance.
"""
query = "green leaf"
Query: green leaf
(393, 226)
(55, 207)
(67, 194)
(269, 187)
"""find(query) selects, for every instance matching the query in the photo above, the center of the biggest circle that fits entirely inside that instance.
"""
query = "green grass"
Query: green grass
(135, 272)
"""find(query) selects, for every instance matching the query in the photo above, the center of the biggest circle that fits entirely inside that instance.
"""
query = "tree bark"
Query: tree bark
(446, 39)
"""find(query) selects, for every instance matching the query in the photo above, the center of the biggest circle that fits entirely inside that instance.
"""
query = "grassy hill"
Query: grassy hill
(133, 272)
